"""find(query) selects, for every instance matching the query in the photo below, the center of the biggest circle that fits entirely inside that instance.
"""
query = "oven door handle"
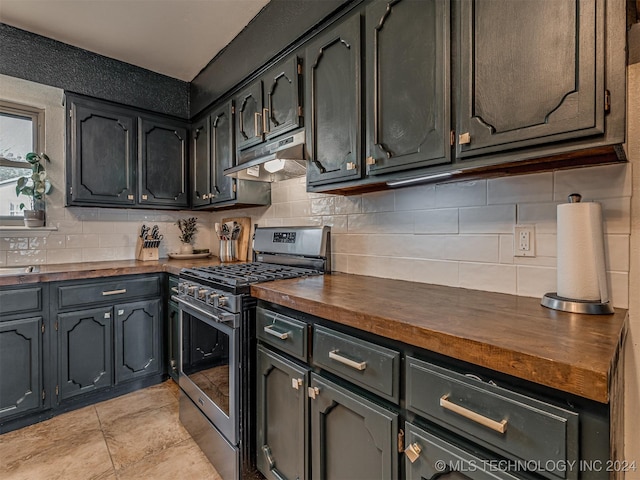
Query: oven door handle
(207, 314)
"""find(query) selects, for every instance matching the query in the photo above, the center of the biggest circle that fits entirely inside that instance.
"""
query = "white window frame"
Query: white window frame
(37, 121)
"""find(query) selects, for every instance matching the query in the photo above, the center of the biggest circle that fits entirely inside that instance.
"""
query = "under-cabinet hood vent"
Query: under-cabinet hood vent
(272, 162)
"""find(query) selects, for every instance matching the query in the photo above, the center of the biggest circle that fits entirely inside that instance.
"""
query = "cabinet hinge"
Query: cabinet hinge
(300, 111)
(42, 328)
(235, 188)
(401, 441)
(44, 394)
(607, 101)
(57, 390)
(233, 110)
(452, 138)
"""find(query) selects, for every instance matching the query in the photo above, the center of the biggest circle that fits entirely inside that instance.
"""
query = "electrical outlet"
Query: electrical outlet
(524, 244)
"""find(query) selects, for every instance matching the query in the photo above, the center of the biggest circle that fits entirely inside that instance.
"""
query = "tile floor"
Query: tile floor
(136, 436)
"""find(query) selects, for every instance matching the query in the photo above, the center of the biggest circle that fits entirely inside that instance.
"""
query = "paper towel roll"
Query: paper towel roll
(581, 261)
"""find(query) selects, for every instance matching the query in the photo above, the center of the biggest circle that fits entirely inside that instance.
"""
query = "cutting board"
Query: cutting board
(242, 250)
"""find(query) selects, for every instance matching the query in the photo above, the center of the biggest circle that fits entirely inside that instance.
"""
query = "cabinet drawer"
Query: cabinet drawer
(20, 300)
(508, 423)
(284, 333)
(72, 295)
(366, 364)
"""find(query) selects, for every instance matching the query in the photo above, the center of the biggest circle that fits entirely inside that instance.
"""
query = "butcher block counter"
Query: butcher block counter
(573, 353)
(80, 270)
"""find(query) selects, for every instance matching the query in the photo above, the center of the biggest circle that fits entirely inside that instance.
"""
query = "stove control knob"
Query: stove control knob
(222, 301)
(211, 299)
(202, 294)
(182, 287)
(192, 290)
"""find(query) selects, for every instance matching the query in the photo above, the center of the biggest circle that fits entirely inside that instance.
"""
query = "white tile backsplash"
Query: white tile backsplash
(416, 198)
(378, 202)
(490, 219)
(473, 248)
(461, 194)
(493, 278)
(520, 189)
(593, 183)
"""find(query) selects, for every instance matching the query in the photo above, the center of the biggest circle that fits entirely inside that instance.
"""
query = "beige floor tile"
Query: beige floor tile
(132, 437)
(150, 398)
(184, 460)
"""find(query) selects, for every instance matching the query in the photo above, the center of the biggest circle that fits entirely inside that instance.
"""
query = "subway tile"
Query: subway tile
(270, 222)
(279, 193)
(338, 223)
(56, 242)
(520, 189)
(473, 248)
(546, 245)
(617, 252)
(542, 215)
(117, 240)
(424, 271)
(397, 246)
(436, 221)
(506, 249)
(619, 289)
(110, 227)
(490, 219)
(297, 190)
(388, 222)
(378, 202)
(323, 206)
(345, 205)
(26, 257)
(593, 183)
(66, 255)
(461, 194)
(300, 208)
(113, 214)
(14, 243)
(302, 221)
(282, 210)
(90, 240)
(339, 263)
(420, 197)
(534, 281)
(67, 226)
(536, 261)
(491, 278)
(3, 258)
(36, 243)
(616, 213)
(81, 214)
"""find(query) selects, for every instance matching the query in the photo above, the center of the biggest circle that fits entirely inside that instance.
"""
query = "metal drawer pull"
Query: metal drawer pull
(413, 452)
(296, 383)
(114, 292)
(334, 355)
(499, 427)
(275, 333)
(313, 392)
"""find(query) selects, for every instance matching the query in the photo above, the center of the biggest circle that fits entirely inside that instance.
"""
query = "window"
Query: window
(21, 131)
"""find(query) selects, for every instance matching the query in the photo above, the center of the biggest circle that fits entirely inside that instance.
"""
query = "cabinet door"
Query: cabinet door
(163, 163)
(408, 110)
(282, 112)
(201, 163)
(249, 116)
(437, 458)
(137, 340)
(529, 79)
(282, 434)
(20, 366)
(333, 103)
(101, 154)
(85, 362)
(352, 437)
(223, 153)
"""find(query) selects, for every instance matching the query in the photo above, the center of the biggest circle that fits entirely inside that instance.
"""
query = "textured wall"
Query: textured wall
(49, 62)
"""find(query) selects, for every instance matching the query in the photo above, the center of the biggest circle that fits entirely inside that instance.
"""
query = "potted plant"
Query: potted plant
(188, 229)
(35, 186)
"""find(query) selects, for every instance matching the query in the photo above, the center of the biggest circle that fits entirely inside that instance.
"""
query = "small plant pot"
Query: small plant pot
(34, 218)
(186, 249)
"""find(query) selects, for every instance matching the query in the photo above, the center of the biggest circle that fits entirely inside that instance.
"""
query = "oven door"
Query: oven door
(209, 366)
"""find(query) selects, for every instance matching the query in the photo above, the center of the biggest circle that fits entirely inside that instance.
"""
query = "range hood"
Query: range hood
(273, 161)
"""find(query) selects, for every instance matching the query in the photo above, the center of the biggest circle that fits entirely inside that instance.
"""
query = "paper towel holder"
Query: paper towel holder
(556, 302)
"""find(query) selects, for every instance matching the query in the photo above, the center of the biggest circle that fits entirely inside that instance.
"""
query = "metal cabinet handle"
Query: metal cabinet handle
(296, 383)
(351, 166)
(114, 292)
(413, 452)
(256, 124)
(275, 333)
(334, 355)
(499, 427)
(265, 120)
(313, 392)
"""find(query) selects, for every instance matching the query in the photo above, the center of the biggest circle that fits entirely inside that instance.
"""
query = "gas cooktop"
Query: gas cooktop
(245, 274)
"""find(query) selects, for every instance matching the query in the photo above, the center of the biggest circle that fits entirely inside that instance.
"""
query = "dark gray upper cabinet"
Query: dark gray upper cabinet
(282, 111)
(137, 340)
(21, 375)
(201, 163)
(222, 153)
(249, 128)
(163, 162)
(101, 153)
(333, 103)
(408, 89)
(529, 73)
(85, 362)
(118, 156)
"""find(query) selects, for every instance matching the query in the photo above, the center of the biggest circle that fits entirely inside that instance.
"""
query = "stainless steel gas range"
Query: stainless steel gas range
(217, 329)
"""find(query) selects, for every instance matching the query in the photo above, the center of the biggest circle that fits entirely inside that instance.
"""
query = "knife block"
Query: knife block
(146, 253)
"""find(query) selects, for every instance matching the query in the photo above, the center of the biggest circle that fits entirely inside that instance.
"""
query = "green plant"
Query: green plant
(37, 185)
(187, 228)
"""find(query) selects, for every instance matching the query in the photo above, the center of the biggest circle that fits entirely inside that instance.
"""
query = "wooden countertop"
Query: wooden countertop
(76, 271)
(569, 352)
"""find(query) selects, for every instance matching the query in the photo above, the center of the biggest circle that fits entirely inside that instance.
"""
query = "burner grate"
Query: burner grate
(243, 274)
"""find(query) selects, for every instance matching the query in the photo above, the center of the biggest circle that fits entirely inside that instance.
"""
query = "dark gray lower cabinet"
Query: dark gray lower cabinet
(282, 433)
(21, 382)
(437, 458)
(137, 340)
(85, 362)
(352, 437)
(173, 332)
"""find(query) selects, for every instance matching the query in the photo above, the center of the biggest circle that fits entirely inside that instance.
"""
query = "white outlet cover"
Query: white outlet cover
(521, 250)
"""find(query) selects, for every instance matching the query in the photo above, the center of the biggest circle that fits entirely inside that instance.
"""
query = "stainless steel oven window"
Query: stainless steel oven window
(209, 367)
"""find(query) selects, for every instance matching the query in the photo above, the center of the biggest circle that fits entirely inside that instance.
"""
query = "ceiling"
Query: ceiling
(173, 37)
